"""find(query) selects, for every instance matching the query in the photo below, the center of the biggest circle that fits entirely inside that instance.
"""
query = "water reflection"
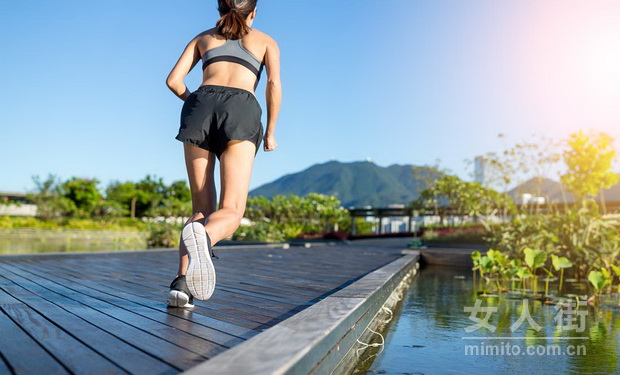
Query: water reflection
(427, 336)
(47, 245)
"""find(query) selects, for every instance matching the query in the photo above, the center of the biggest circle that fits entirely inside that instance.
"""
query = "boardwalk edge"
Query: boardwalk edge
(321, 338)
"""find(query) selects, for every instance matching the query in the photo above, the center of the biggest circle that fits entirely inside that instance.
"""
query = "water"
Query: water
(426, 336)
(31, 241)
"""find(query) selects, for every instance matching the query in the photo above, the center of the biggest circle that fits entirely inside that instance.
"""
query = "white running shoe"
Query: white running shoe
(200, 275)
(179, 295)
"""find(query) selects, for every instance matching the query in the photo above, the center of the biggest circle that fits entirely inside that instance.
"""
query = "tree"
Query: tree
(138, 199)
(50, 203)
(125, 195)
(589, 160)
(83, 194)
(426, 176)
(449, 194)
(289, 216)
(177, 200)
(151, 197)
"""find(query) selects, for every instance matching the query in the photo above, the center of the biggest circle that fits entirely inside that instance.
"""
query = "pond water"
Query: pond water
(428, 333)
(68, 243)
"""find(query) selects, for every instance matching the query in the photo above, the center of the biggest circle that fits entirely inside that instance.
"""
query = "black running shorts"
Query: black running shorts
(214, 115)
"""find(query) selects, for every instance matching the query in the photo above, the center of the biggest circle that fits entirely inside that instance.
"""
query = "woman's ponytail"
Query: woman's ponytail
(232, 23)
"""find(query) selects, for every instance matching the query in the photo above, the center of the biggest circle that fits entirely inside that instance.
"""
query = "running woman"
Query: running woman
(221, 119)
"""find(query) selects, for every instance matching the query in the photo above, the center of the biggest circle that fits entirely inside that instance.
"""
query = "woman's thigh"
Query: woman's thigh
(236, 164)
(200, 165)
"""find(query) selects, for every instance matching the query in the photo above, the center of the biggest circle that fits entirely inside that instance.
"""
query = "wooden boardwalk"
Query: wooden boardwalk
(106, 313)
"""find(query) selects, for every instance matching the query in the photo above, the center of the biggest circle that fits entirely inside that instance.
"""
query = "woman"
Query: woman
(222, 119)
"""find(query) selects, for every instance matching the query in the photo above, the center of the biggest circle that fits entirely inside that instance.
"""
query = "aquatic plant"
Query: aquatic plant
(534, 258)
(598, 280)
(559, 264)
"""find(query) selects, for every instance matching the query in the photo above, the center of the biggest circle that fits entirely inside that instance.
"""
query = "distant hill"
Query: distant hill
(552, 191)
(355, 184)
(364, 183)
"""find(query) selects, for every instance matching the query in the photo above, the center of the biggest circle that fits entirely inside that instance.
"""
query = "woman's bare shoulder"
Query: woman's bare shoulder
(261, 36)
(211, 33)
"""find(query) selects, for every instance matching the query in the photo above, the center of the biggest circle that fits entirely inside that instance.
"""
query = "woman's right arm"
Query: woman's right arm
(273, 93)
(184, 65)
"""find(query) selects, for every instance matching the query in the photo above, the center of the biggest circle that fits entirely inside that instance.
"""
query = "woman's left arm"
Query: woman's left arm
(186, 63)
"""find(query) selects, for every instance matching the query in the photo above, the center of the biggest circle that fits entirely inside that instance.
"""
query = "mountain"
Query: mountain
(356, 184)
(364, 183)
(552, 191)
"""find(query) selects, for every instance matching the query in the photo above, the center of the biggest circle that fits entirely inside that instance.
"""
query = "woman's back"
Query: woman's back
(234, 63)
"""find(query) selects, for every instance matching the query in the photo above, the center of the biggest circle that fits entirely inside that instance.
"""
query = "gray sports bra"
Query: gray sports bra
(233, 51)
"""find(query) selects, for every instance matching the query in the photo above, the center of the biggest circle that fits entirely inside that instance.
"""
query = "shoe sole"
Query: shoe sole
(200, 275)
(176, 298)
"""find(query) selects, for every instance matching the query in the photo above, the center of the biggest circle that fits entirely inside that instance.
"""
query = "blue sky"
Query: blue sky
(83, 83)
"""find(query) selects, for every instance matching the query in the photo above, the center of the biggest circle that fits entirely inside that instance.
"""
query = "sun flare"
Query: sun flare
(604, 64)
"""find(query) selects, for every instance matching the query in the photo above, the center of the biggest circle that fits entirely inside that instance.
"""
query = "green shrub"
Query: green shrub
(430, 235)
(163, 235)
(259, 231)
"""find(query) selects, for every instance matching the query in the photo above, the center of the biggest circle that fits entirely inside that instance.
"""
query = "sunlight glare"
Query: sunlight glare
(604, 65)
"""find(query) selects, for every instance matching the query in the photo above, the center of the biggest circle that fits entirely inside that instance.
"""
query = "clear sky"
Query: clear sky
(83, 82)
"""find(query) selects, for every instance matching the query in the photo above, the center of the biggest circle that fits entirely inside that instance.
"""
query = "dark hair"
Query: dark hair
(234, 13)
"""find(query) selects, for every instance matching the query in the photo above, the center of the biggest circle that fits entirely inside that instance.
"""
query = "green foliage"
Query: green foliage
(560, 262)
(285, 217)
(534, 258)
(50, 202)
(463, 234)
(361, 226)
(502, 169)
(259, 231)
(580, 234)
(449, 194)
(82, 196)
(162, 234)
(498, 267)
(598, 280)
(589, 160)
(430, 235)
(4, 200)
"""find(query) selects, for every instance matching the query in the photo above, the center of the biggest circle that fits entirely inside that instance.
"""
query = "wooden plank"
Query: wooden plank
(157, 315)
(218, 300)
(248, 312)
(183, 339)
(112, 348)
(22, 353)
(172, 354)
(161, 297)
(192, 317)
(72, 353)
(4, 365)
(277, 290)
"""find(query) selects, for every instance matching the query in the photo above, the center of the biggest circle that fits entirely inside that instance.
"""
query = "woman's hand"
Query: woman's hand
(270, 142)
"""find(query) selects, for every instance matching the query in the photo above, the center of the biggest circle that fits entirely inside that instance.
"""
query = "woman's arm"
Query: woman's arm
(186, 63)
(273, 93)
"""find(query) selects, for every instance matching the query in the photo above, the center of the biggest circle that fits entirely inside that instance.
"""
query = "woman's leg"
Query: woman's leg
(235, 171)
(200, 165)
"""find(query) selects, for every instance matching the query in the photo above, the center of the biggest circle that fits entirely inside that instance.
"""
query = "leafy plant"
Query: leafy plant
(589, 160)
(598, 280)
(292, 215)
(534, 259)
(559, 264)
(523, 273)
